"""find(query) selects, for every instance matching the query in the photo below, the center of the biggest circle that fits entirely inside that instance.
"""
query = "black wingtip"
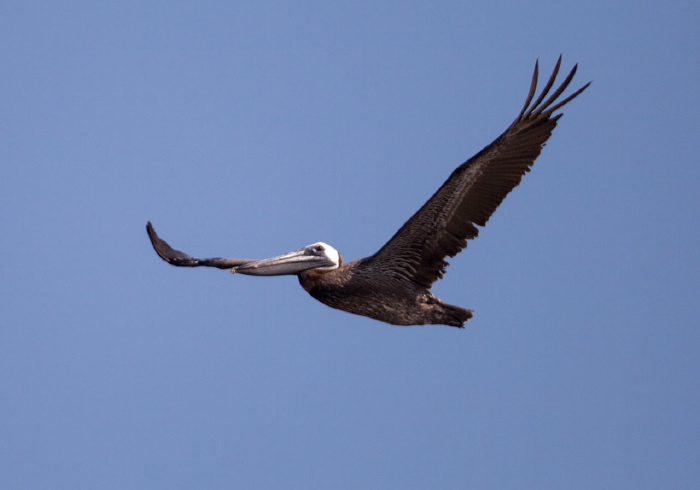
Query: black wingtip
(166, 252)
(155, 239)
(156, 242)
(542, 109)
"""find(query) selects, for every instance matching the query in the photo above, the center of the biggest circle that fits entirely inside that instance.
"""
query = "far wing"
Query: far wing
(472, 193)
(181, 259)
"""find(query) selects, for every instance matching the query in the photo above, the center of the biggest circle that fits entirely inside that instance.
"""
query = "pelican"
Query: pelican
(393, 285)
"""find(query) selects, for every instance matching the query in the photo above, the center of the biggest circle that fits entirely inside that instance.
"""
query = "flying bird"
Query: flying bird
(393, 285)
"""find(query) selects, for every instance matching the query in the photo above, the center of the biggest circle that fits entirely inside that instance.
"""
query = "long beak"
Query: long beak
(290, 263)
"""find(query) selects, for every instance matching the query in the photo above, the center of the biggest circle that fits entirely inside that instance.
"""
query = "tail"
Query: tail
(454, 316)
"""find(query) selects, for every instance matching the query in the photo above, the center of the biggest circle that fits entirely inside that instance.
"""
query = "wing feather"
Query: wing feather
(181, 259)
(473, 191)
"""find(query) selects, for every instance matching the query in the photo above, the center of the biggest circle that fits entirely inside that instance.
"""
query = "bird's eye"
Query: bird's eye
(318, 248)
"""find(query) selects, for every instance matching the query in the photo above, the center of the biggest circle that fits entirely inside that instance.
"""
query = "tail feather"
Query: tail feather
(455, 316)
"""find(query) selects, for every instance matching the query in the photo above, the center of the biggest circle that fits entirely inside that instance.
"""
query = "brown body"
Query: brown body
(354, 288)
(393, 284)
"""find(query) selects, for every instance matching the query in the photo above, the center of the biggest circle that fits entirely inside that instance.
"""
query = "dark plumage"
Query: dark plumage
(393, 284)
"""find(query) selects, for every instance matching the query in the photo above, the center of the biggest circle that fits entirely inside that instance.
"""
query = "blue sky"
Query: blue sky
(247, 129)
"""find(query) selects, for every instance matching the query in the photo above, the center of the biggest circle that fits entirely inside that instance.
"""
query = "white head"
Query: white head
(318, 255)
(325, 250)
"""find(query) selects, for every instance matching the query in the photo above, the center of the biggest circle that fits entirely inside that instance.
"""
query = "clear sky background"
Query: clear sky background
(248, 129)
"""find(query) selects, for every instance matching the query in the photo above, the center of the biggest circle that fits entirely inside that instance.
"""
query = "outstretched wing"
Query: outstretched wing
(181, 259)
(472, 193)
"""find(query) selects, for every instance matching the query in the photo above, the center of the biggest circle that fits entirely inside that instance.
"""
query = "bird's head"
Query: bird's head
(319, 256)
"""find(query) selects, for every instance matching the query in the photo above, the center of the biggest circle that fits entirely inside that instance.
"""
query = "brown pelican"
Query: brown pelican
(393, 284)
